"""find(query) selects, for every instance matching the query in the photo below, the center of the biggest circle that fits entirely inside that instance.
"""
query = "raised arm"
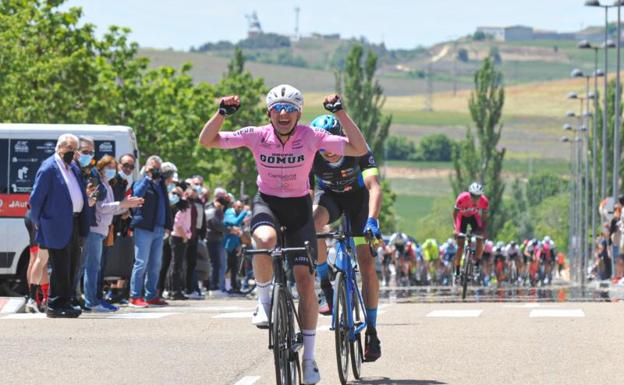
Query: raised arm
(356, 145)
(209, 136)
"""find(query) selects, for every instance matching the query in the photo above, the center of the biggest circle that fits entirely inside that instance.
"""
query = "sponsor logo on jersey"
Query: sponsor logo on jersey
(282, 159)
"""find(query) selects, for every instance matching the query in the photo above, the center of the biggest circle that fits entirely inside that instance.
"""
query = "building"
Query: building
(512, 33)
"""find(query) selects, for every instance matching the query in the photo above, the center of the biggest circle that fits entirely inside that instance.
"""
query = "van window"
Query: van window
(104, 147)
(26, 155)
(4, 166)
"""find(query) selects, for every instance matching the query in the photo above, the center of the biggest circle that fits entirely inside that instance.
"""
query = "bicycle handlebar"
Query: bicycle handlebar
(279, 252)
(462, 235)
(341, 236)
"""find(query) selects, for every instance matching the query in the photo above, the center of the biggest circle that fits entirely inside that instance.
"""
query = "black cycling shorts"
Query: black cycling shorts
(30, 226)
(472, 221)
(353, 204)
(293, 213)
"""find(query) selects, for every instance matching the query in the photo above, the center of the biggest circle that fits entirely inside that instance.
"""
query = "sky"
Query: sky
(181, 24)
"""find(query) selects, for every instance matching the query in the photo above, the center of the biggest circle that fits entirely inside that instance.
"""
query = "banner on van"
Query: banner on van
(13, 205)
(26, 155)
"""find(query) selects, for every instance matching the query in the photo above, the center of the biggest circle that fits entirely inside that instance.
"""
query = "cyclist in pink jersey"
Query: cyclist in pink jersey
(284, 153)
(470, 209)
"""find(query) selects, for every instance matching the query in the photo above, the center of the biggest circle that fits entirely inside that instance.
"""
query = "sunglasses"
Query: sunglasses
(278, 107)
(127, 166)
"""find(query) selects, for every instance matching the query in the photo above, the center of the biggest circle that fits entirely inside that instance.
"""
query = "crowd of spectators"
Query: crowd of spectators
(173, 238)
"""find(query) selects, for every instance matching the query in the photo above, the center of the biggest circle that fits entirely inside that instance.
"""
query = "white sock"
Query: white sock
(309, 337)
(228, 284)
(264, 295)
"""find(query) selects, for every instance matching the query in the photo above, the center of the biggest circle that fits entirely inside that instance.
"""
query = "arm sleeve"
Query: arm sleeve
(328, 142)
(368, 166)
(39, 193)
(235, 139)
(110, 208)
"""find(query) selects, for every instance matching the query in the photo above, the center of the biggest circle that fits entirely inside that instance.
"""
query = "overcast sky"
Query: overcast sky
(399, 23)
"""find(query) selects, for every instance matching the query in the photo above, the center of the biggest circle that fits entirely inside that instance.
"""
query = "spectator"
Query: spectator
(149, 224)
(198, 224)
(104, 211)
(170, 174)
(215, 230)
(59, 204)
(233, 220)
(615, 235)
(180, 236)
(125, 170)
(121, 185)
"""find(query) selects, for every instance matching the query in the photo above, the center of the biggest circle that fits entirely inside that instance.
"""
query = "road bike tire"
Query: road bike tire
(355, 346)
(281, 324)
(341, 329)
(466, 272)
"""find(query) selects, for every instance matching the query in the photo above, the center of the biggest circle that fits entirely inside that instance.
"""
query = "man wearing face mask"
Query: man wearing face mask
(149, 224)
(215, 230)
(59, 211)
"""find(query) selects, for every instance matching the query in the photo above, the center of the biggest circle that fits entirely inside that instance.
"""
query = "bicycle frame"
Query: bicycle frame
(345, 248)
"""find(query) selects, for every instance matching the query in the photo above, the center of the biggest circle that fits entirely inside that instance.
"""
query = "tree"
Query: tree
(462, 55)
(399, 148)
(55, 70)
(484, 163)
(436, 148)
(479, 36)
(230, 168)
(364, 98)
(495, 55)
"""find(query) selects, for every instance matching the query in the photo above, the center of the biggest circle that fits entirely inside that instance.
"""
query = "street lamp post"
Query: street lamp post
(618, 122)
(606, 45)
(572, 250)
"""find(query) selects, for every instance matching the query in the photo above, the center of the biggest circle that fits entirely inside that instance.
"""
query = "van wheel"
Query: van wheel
(17, 285)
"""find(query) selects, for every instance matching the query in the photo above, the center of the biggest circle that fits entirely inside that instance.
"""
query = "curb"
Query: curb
(10, 305)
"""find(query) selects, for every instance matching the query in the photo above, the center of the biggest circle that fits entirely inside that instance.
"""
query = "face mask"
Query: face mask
(198, 190)
(68, 157)
(109, 174)
(155, 173)
(170, 187)
(84, 160)
(174, 199)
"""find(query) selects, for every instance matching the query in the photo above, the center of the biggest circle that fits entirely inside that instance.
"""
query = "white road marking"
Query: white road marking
(141, 315)
(247, 380)
(25, 316)
(540, 313)
(464, 313)
(240, 314)
(194, 309)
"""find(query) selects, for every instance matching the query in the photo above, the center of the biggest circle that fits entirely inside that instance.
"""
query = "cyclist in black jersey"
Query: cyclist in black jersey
(348, 185)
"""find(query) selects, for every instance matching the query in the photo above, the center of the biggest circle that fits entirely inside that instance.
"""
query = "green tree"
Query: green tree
(230, 168)
(387, 217)
(544, 185)
(55, 70)
(364, 97)
(438, 223)
(399, 148)
(484, 163)
(436, 148)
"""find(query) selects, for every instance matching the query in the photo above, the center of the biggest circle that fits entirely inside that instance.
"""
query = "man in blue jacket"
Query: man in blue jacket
(59, 210)
(149, 224)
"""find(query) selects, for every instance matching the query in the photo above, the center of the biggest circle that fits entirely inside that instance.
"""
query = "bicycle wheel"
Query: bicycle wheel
(285, 368)
(466, 272)
(341, 329)
(355, 346)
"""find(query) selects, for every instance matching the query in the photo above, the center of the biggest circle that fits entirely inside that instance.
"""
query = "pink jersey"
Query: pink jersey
(467, 208)
(283, 170)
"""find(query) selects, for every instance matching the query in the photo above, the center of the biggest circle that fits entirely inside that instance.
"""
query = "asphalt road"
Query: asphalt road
(212, 342)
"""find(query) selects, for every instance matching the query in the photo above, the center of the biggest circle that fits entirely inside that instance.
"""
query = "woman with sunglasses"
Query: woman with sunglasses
(284, 152)
(471, 208)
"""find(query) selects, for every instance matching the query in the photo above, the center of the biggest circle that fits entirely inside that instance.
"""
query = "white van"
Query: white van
(23, 147)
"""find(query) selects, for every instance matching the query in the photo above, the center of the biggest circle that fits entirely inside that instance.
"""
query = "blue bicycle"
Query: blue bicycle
(349, 312)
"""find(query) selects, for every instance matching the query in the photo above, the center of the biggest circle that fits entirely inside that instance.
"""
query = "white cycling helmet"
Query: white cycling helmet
(284, 93)
(475, 189)
(547, 239)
